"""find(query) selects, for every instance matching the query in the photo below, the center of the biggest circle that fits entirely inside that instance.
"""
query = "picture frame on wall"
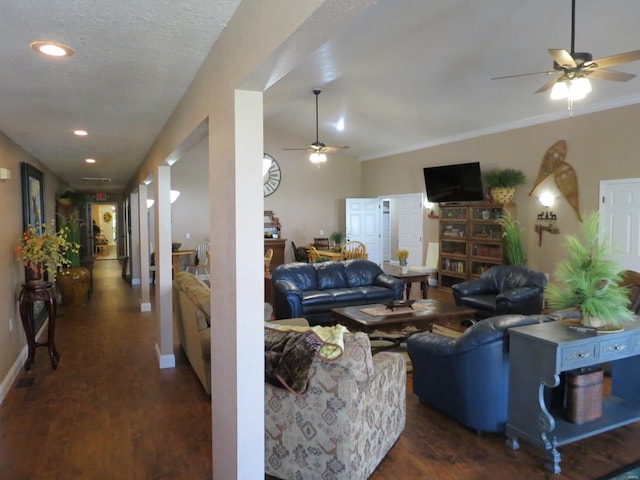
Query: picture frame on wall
(33, 214)
(32, 197)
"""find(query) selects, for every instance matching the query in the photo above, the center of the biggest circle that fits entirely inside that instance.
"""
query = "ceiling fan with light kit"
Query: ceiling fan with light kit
(573, 69)
(318, 149)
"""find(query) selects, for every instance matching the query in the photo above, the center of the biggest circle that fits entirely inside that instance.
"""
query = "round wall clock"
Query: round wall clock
(271, 176)
(107, 217)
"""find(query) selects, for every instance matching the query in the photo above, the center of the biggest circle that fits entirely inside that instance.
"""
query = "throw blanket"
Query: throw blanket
(290, 350)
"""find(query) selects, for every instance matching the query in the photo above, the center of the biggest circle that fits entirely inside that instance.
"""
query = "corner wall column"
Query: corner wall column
(162, 246)
(143, 225)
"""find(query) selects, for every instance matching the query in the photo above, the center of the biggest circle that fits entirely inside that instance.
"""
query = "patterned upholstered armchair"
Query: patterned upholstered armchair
(342, 427)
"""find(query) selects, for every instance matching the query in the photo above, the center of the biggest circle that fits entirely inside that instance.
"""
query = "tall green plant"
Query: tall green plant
(589, 278)
(513, 248)
(69, 228)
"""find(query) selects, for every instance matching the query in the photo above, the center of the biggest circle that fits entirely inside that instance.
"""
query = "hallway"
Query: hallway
(107, 412)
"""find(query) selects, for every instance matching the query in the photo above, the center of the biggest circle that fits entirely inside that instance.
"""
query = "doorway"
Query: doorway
(104, 217)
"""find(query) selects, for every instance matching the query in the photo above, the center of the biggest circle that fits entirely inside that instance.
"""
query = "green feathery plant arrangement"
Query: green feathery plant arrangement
(514, 251)
(70, 231)
(589, 279)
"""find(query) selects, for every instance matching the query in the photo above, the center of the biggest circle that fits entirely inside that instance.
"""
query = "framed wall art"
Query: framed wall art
(32, 197)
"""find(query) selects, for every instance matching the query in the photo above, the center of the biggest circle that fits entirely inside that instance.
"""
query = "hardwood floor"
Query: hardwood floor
(108, 412)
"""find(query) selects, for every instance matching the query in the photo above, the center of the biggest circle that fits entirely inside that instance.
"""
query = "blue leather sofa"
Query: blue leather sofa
(311, 290)
(467, 377)
(502, 289)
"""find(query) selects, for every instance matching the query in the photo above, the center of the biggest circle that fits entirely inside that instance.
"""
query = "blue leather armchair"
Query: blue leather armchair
(467, 378)
(503, 289)
(311, 290)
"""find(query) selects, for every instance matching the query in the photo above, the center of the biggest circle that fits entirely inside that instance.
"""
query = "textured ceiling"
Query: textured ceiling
(414, 73)
(405, 74)
(133, 61)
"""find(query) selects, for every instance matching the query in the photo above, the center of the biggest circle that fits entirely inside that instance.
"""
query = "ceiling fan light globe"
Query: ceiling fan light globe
(578, 88)
(317, 158)
(560, 90)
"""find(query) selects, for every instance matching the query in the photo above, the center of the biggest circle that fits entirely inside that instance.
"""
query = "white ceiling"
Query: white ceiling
(407, 74)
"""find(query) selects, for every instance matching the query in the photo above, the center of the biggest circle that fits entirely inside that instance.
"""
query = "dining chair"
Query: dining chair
(200, 268)
(314, 255)
(354, 250)
(267, 260)
(321, 243)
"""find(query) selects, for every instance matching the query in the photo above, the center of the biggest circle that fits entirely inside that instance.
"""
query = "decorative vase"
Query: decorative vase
(34, 274)
(74, 283)
(404, 266)
(502, 194)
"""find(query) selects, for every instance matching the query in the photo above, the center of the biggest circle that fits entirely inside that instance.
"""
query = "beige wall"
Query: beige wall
(12, 341)
(309, 198)
(600, 146)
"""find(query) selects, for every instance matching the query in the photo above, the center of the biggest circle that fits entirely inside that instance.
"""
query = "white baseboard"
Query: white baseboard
(145, 306)
(14, 371)
(165, 361)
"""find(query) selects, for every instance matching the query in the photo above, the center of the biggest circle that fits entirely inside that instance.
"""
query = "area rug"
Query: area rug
(631, 472)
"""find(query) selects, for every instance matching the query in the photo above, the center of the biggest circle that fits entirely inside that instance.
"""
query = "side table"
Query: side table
(32, 292)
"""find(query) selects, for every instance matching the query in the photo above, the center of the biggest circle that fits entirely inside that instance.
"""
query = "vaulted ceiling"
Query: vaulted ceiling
(406, 74)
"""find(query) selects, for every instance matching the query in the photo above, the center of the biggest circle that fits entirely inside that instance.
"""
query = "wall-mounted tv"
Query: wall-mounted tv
(454, 183)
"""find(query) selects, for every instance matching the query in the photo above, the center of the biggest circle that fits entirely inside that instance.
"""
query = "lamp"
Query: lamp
(546, 220)
(173, 196)
(317, 157)
(575, 88)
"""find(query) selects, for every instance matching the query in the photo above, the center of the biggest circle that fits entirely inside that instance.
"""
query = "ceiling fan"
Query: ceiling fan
(573, 68)
(317, 148)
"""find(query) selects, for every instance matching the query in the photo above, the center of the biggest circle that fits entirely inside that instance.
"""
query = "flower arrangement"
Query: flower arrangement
(402, 255)
(46, 249)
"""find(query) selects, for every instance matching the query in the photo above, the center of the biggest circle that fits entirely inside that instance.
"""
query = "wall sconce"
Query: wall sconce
(5, 174)
(173, 196)
(546, 220)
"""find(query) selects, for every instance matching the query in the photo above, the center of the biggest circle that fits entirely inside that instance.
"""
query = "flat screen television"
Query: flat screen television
(454, 183)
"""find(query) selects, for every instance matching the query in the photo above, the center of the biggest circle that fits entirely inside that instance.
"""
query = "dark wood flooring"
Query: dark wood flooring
(108, 412)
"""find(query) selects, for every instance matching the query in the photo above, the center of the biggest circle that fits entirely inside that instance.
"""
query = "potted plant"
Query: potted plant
(337, 238)
(74, 280)
(511, 240)
(70, 198)
(502, 183)
(588, 280)
(43, 249)
(403, 256)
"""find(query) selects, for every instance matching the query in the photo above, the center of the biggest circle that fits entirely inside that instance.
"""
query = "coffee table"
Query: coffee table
(354, 318)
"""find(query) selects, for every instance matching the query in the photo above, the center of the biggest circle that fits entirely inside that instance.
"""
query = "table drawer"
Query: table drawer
(578, 356)
(635, 343)
(615, 348)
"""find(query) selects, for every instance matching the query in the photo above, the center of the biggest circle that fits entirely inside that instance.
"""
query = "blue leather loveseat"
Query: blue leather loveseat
(467, 377)
(311, 290)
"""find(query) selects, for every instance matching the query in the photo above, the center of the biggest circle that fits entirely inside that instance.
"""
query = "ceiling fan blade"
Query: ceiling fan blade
(334, 148)
(604, 74)
(548, 85)
(562, 58)
(523, 75)
(617, 59)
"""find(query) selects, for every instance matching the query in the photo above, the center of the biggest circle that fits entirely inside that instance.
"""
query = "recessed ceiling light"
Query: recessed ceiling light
(80, 133)
(90, 160)
(52, 49)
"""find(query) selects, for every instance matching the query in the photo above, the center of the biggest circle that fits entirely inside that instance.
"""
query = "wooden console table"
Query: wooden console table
(32, 292)
(538, 354)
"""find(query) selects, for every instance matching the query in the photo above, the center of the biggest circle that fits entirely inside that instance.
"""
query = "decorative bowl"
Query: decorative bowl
(399, 304)
(175, 247)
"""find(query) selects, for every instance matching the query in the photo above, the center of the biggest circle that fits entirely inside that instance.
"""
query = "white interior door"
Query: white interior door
(410, 227)
(386, 232)
(620, 219)
(364, 219)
